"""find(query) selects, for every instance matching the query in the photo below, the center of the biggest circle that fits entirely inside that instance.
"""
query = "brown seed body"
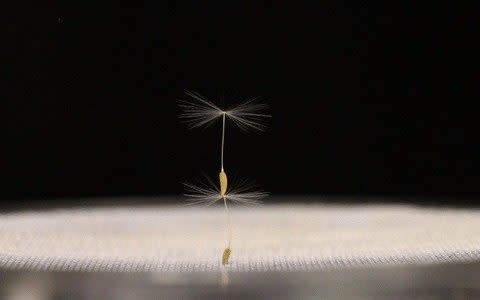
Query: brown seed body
(223, 183)
(226, 256)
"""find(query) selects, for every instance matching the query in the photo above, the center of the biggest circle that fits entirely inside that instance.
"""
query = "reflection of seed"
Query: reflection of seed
(226, 256)
(223, 183)
(225, 278)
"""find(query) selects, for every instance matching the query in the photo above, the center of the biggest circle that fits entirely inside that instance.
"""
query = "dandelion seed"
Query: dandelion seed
(223, 183)
(226, 256)
(200, 112)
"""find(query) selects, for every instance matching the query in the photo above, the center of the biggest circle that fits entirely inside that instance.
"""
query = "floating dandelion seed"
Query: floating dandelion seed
(199, 112)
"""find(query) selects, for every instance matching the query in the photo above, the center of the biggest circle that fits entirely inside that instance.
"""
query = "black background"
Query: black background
(365, 100)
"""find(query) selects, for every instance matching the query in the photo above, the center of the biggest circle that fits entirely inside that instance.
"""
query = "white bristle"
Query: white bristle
(200, 112)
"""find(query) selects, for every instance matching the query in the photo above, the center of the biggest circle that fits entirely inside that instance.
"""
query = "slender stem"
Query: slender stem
(229, 226)
(223, 138)
(229, 222)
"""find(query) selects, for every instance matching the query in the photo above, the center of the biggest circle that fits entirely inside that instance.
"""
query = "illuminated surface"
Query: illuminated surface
(265, 238)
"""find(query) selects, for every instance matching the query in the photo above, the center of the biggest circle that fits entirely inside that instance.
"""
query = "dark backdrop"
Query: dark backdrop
(366, 100)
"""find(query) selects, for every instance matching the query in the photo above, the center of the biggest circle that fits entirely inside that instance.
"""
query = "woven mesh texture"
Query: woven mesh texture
(265, 238)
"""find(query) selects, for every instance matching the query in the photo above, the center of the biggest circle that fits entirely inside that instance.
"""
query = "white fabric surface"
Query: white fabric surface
(265, 238)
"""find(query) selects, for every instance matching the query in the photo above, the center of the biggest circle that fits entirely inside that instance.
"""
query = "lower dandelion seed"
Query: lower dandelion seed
(226, 256)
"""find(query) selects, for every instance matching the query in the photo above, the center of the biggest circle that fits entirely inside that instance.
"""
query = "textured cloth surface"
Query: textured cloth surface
(265, 238)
